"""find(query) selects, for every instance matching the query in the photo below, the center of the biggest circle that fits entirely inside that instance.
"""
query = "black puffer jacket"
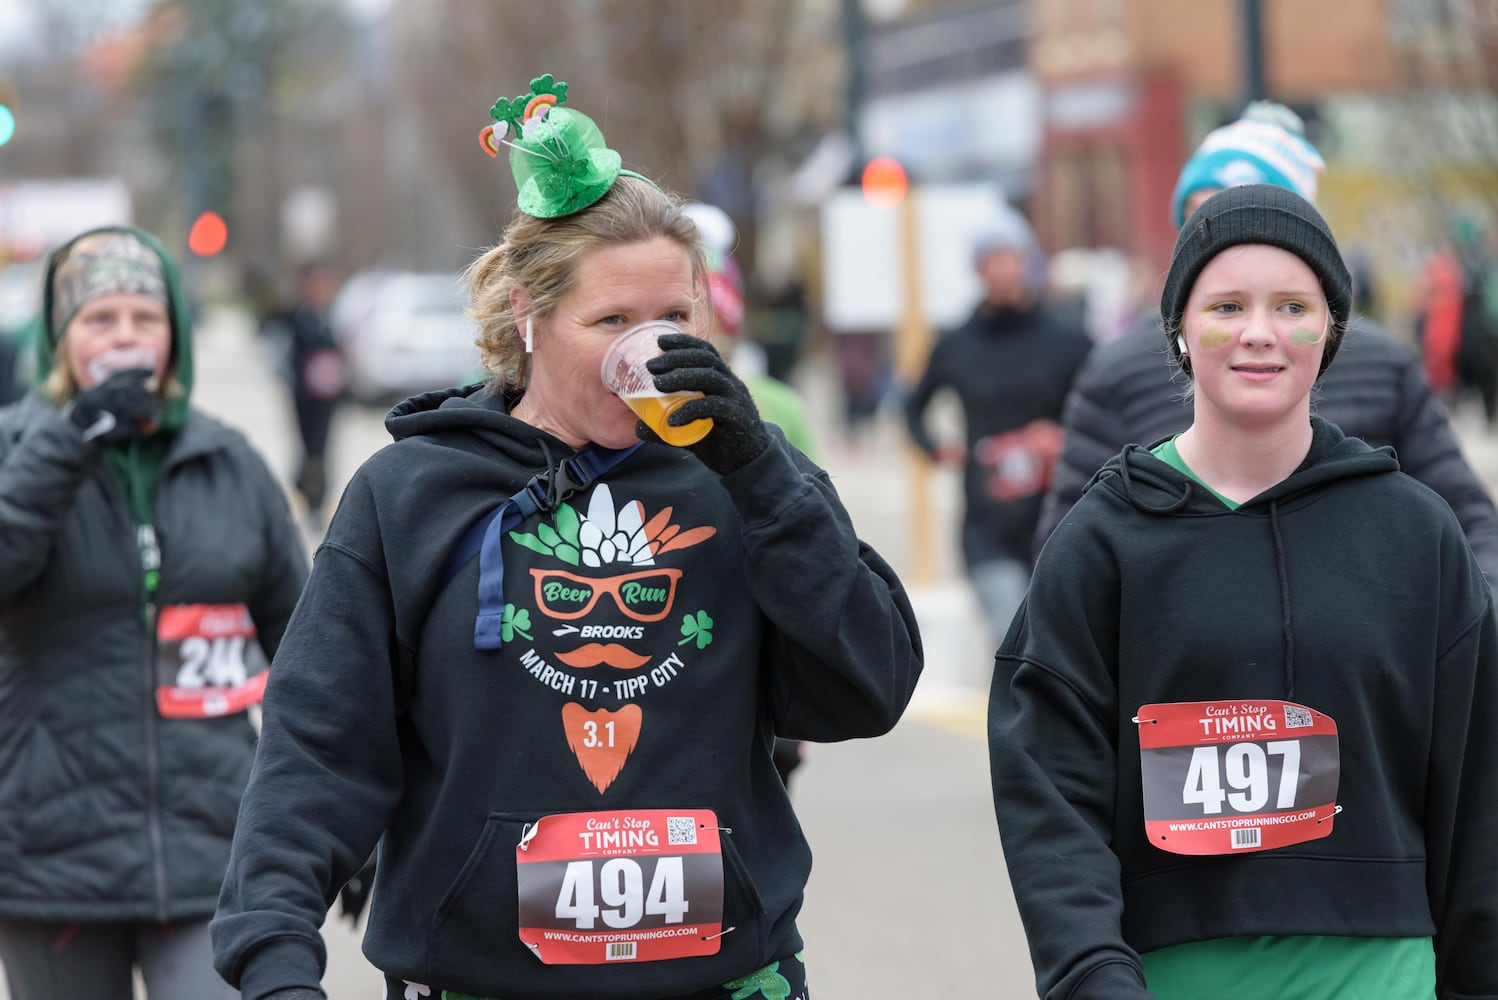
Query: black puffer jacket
(1010, 368)
(1128, 392)
(108, 811)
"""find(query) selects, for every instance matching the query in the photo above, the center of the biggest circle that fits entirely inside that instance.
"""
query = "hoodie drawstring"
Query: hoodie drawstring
(1285, 619)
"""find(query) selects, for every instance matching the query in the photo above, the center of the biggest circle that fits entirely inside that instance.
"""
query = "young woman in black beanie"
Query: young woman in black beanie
(1244, 731)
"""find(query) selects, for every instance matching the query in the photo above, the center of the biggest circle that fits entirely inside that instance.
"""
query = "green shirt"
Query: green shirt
(1287, 968)
(781, 405)
(1293, 968)
(1167, 452)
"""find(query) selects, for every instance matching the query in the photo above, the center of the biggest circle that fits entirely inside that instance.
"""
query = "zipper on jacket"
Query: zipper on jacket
(150, 568)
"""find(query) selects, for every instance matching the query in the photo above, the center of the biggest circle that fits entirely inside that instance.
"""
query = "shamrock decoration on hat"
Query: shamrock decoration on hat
(558, 156)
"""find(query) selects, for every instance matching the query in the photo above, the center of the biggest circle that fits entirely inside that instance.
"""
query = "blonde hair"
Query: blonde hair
(59, 385)
(541, 257)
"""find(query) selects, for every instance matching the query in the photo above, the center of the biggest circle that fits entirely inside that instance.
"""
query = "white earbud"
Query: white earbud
(530, 336)
(1181, 345)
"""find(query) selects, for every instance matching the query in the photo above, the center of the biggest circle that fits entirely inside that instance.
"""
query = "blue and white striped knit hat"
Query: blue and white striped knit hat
(1265, 146)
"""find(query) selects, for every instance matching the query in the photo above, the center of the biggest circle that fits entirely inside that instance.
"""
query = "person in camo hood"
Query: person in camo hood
(148, 566)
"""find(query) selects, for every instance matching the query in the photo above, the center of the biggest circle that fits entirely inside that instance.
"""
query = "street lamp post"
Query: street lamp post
(853, 36)
(1252, 12)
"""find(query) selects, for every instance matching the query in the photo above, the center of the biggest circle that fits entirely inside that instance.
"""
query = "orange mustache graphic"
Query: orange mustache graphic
(609, 654)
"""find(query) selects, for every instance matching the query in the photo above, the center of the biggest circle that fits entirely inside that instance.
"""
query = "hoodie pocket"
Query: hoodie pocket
(743, 909)
(480, 908)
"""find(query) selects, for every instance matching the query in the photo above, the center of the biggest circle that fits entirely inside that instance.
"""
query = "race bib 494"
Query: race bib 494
(1228, 777)
(634, 885)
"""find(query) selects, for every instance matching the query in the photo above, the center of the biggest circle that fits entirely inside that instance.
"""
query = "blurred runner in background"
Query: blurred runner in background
(149, 566)
(315, 372)
(1010, 365)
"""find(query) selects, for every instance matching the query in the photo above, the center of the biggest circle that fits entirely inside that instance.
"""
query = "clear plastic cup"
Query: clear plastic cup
(120, 359)
(625, 375)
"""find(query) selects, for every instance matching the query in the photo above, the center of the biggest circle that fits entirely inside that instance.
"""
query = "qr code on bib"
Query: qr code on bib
(680, 830)
(1298, 718)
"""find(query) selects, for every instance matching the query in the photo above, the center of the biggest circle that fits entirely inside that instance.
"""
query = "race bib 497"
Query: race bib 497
(1227, 777)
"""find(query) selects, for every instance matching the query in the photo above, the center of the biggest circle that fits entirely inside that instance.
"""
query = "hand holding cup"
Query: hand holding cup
(625, 374)
(121, 400)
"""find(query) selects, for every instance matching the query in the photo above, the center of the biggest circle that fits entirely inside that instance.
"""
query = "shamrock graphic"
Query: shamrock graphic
(515, 621)
(415, 991)
(698, 627)
(767, 982)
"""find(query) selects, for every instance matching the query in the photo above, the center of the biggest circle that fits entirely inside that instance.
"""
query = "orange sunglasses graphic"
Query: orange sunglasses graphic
(645, 596)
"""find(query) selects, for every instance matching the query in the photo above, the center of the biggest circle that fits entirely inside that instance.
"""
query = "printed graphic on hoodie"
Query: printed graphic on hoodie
(610, 613)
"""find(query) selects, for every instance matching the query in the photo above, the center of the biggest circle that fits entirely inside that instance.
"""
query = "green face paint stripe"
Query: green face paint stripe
(1301, 335)
(1214, 338)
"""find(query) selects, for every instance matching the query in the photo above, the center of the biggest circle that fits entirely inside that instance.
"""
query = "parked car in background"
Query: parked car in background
(402, 333)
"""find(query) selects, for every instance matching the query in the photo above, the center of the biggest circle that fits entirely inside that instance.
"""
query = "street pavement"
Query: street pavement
(908, 896)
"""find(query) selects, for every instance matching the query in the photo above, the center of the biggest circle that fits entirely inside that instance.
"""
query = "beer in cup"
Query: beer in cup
(625, 375)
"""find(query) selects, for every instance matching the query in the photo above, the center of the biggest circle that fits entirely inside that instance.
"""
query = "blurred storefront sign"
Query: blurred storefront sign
(863, 248)
(37, 215)
(1092, 104)
(947, 93)
(309, 224)
(985, 127)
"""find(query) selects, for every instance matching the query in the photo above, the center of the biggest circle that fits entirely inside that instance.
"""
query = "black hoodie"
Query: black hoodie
(1348, 588)
(383, 718)
(1010, 367)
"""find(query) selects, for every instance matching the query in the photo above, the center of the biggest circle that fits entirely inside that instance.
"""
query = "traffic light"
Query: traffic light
(209, 234)
(7, 111)
(884, 181)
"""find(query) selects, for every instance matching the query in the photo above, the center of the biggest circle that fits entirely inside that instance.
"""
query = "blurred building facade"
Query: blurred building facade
(1131, 85)
(1397, 94)
(947, 93)
(1079, 111)
(1084, 111)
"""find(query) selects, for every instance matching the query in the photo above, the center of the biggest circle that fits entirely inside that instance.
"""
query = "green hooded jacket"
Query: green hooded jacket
(137, 462)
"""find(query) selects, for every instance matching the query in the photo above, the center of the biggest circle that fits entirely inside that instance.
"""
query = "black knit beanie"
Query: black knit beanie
(1256, 213)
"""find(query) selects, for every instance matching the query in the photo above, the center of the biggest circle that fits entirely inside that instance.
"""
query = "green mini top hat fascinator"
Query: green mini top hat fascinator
(558, 156)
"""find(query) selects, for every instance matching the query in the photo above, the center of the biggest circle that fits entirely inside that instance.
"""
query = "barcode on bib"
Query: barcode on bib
(1297, 717)
(1248, 836)
(680, 830)
(621, 950)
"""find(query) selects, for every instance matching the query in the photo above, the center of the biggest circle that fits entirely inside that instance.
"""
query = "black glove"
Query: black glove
(690, 364)
(297, 993)
(117, 409)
